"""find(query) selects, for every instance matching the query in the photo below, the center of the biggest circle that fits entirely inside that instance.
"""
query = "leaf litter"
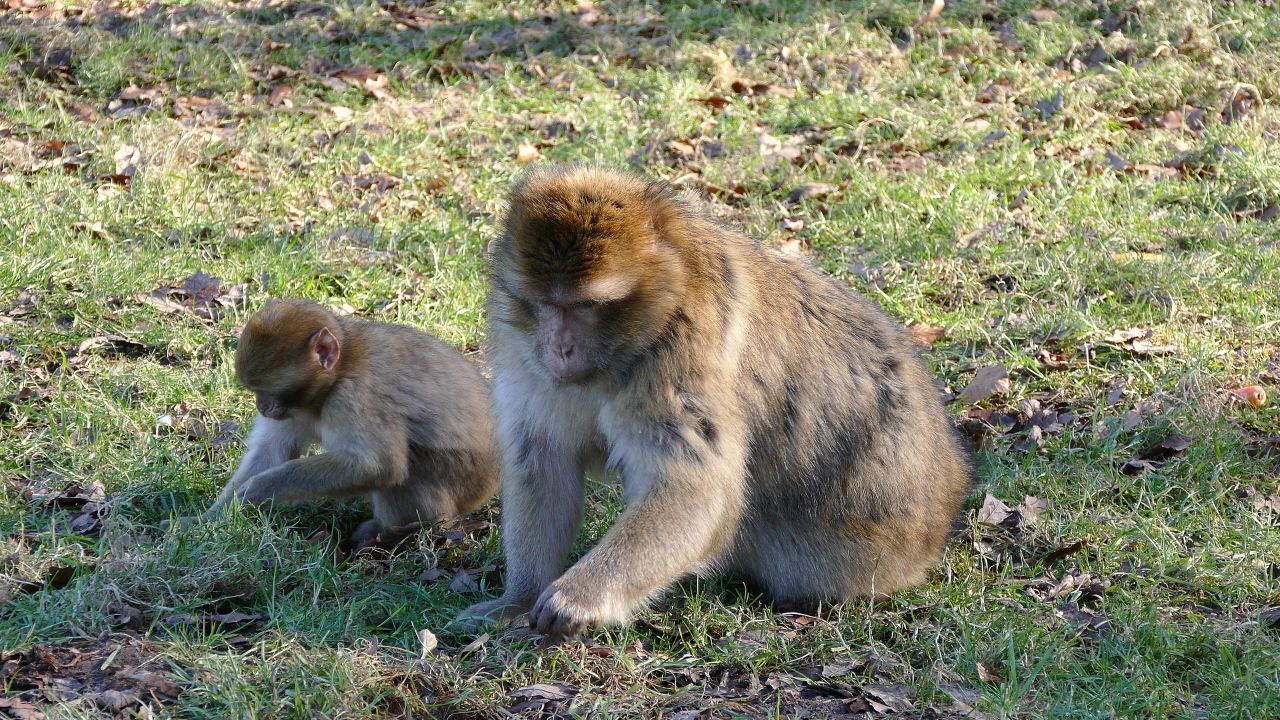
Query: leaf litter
(116, 676)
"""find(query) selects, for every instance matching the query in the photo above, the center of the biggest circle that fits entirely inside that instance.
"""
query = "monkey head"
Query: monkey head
(288, 356)
(583, 273)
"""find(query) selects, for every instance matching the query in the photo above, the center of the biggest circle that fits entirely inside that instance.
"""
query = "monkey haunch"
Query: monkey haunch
(402, 417)
(765, 420)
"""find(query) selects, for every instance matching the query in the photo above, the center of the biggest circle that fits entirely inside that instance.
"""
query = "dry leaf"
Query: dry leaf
(925, 335)
(988, 674)
(1135, 340)
(536, 697)
(527, 153)
(463, 582)
(991, 380)
(811, 190)
(279, 96)
(127, 159)
(1155, 456)
(20, 709)
(373, 82)
(113, 700)
(715, 101)
(427, 643)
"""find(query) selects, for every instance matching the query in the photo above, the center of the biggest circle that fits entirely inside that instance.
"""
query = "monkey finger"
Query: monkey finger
(555, 615)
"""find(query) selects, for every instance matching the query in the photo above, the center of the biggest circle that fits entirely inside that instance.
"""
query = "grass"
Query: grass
(969, 188)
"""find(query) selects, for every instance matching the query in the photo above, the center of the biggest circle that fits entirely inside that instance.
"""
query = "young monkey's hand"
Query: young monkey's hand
(262, 489)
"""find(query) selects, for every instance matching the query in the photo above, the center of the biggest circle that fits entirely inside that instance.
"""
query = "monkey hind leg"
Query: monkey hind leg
(410, 503)
(802, 568)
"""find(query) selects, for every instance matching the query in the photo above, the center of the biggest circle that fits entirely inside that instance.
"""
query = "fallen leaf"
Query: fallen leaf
(991, 380)
(427, 643)
(1156, 455)
(474, 645)
(125, 614)
(111, 346)
(791, 224)
(973, 236)
(1050, 107)
(1062, 551)
(527, 153)
(52, 66)
(127, 159)
(463, 582)
(1135, 340)
(75, 495)
(279, 96)
(152, 681)
(1264, 502)
(996, 513)
(373, 82)
(925, 335)
(988, 674)
(1050, 359)
(1240, 105)
(775, 150)
(891, 698)
(715, 101)
(536, 697)
(1188, 118)
(113, 700)
(1089, 624)
(20, 709)
(200, 295)
(388, 539)
(811, 190)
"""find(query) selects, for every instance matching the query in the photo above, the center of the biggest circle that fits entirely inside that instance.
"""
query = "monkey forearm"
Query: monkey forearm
(256, 461)
(332, 475)
(679, 526)
(543, 503)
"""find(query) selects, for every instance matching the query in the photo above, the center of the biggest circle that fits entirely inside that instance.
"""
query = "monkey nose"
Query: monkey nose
(564, 352)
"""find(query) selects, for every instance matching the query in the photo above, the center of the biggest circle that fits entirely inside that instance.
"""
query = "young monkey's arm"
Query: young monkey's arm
(355, 463)
(271, 443)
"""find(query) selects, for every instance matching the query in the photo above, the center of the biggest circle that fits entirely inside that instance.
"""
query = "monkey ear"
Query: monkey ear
(326, 348)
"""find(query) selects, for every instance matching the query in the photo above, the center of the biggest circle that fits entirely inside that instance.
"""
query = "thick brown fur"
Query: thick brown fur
(765, 420)
(402, 417)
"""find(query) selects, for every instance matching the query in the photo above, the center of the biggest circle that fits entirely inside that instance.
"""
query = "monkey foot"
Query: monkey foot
(501, 611)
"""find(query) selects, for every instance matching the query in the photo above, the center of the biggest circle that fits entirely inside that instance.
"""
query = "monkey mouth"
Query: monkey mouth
(571, 376)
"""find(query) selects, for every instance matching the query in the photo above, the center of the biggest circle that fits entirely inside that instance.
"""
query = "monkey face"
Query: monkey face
(270, 406)
(568, 339)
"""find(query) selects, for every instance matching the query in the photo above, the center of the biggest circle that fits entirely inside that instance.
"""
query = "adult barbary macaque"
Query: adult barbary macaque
(764, 419)
(402, 418)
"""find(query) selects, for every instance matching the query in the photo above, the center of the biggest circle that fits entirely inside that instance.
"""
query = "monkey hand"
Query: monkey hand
(180, 524)
(262, 489)
(566, 608)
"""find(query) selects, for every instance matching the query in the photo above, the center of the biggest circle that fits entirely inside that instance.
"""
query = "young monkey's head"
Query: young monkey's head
(288, 356)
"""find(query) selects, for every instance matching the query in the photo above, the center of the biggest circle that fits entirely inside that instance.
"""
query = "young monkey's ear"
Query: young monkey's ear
(325, 347)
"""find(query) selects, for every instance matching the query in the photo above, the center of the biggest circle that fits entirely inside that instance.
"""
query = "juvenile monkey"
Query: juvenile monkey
(402, 417)
(765, 420)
